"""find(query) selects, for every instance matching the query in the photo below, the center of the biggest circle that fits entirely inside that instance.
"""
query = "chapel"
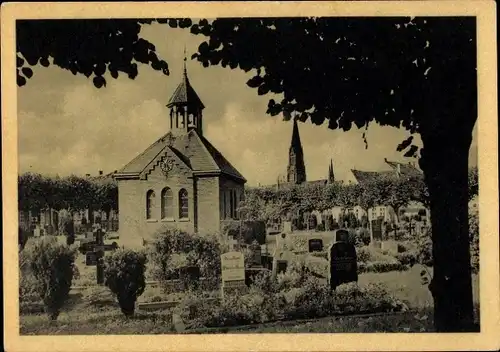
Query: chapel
(181, 180)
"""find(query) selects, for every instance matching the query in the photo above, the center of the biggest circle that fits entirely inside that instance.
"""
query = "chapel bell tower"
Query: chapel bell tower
(185, 108)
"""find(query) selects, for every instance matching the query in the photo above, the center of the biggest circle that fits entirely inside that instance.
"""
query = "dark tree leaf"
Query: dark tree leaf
(99, 81)
(28, 72)
(21, 81)
(255, 82)
(44, 62)
(411, 152)
(20, 61)
(405, 144)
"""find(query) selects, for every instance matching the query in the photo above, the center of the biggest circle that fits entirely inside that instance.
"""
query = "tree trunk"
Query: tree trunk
(445, 164)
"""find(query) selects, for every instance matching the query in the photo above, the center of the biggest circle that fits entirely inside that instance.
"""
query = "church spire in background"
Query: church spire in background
(296, 171)
(331, 176)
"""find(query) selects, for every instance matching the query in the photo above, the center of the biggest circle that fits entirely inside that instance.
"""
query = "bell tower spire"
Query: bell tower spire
(185, 107)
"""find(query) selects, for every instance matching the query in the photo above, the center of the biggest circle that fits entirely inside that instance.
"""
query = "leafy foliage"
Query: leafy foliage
(251, 230)
(125, 276)
(37, 192)
(90, 47)
(173, 249)
(51, 265)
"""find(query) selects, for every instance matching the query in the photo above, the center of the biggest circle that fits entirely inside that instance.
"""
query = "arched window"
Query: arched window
(183, 204)
(167, 203)
(150, 204)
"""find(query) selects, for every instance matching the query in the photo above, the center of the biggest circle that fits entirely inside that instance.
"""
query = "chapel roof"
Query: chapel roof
(195, 151)
(185, 94)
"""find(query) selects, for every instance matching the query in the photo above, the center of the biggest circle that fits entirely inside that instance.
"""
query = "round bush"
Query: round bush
(125, 276)
(173, 249)
(51, 265)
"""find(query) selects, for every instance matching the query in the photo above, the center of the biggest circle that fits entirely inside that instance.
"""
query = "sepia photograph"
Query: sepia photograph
(250, 172)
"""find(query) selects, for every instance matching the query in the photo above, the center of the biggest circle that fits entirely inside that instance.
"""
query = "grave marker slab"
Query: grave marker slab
(233, 272)
(287, 226)
(315, 245)
(281, 266)
(343, 264)
(341, 235)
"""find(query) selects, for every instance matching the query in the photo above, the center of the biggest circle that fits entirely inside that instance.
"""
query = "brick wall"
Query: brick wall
(133, 225)
(226, 186)
(208, 205)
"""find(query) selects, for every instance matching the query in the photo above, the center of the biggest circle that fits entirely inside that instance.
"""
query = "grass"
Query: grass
(103, 323)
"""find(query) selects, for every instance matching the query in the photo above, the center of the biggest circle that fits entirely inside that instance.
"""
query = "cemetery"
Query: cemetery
(277, 265)
(187, 282)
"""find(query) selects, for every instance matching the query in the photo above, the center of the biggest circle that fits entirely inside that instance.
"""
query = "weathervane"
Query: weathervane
(166, 166)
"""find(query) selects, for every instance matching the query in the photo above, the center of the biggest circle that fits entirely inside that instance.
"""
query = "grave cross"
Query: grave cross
(411, 227)
(232, 243)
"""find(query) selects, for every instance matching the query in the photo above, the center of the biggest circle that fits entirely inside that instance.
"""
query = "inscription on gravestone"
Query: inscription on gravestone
(232, 271)
(343, 264)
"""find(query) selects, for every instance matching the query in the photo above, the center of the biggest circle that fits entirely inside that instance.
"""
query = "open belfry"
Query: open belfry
(181, 179)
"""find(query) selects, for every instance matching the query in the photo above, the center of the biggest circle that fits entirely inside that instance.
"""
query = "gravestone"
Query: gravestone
(256, 255)
(37, 231)
(281, 266)
(233, 272)
(267, 262)
(287, 226)
(341, 236)
(343, 265)
(91, 259)
(376, 230)
(315, 245)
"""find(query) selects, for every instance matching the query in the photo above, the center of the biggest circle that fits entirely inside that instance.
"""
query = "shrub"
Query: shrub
(382, 267)
(371, 298)
(320, 227)
(407, 258)
(125, 276)
(172, 249)
(51, 265)
(311, 300)
(251, 230)
(402, 248)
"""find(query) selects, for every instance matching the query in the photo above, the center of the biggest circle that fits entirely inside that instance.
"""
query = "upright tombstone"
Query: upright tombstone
(343, 264)
(256, 255)
(341, 235)
(315, 245)
(287, 226)
(376, 230)
(233, 272)
(37, 231)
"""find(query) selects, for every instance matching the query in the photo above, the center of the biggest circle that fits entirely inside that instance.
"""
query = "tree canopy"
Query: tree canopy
(375, 66)
(88, 47)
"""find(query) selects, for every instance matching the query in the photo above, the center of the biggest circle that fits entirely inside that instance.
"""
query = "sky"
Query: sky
(67, 126)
